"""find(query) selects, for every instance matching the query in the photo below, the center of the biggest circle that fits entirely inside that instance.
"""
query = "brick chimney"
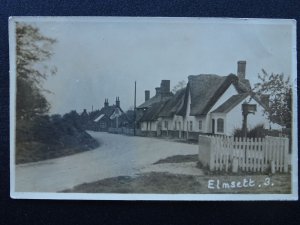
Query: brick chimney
(106, 102)
(165, 87)
(147, 95)
(241, 70)
(118, 101)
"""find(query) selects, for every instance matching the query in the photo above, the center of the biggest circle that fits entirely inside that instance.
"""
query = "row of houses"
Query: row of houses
(208, 104)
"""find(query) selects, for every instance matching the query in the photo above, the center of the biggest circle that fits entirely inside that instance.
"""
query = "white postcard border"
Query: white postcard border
(151, 197)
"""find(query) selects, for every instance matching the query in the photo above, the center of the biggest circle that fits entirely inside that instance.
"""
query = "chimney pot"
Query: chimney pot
(118, 101)
(106, 102)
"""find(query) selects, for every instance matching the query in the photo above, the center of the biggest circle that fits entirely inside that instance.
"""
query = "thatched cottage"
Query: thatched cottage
(147, 114)
(209, 104)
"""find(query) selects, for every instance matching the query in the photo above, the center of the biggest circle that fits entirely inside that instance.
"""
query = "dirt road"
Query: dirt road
(117, 155)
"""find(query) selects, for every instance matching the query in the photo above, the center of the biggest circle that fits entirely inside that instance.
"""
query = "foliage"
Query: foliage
(180, 85)
(258, 131)
(53, 136)
(32, 51)
(279, 90)
(30, 101)
(130, 115)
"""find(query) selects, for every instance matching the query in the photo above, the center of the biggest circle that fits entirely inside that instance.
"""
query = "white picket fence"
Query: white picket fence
(255, 155)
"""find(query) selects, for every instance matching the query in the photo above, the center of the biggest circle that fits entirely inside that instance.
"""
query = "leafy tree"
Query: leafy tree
(279, 90)
(32, 51)
(73, 119)
(180, 85)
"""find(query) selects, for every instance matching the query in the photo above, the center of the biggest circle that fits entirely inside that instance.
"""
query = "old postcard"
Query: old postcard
(132, 108)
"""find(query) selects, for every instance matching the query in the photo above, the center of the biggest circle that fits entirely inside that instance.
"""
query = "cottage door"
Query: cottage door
(158, 130)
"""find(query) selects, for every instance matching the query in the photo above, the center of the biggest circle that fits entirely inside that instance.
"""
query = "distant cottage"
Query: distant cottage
(209, 104)
(109, 116)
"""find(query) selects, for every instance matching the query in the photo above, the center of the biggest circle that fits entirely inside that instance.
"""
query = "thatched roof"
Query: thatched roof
(153, 106)
(231, 103)
(206, 89)
(242, 86)
(174, 104)
(156, 98)
(148, 103)
(152, 113)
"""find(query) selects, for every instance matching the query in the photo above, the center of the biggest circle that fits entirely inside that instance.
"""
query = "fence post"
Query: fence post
(206, 155)
(212, 146)
(235, 165)
(286, 151)
(265, 155)
(273, 169)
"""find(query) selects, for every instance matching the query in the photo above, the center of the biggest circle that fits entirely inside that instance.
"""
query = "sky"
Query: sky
(100, 58)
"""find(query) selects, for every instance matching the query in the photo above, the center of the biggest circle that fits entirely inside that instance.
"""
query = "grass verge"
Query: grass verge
(166, 183)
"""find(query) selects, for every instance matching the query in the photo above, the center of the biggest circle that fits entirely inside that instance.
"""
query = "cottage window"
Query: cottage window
(191, 125)
(200, 124)
(179, 125)
(175, 128)
(166, 124)
(102, 125)
(187, 125)
(220, 125)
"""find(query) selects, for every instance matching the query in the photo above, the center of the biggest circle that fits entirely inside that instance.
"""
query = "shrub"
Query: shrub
(258, 131)
(45, 137)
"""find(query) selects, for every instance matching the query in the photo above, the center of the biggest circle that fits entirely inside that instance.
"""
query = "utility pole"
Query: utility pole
(134, 129)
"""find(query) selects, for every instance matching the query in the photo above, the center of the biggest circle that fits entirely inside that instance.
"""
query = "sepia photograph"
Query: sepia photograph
(153, 108)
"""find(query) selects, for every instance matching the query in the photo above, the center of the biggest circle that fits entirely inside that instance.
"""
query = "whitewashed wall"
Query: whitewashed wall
(223, 116)
(144, 126)
(194, 119)
(152, 126)
(177, 119)
(226, 95)
(170, 124)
